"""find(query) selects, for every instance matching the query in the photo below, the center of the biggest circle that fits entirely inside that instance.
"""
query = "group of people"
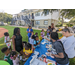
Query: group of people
(64, 47)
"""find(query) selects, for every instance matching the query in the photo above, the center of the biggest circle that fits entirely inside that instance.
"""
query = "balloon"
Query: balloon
(2, 62)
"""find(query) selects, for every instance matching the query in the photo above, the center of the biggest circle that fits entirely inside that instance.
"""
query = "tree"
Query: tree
(5, 17)
(65, 13)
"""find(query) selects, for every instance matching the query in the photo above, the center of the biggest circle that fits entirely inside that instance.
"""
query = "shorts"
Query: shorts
(18, 49)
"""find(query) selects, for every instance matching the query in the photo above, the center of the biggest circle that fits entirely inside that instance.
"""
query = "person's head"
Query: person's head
(42, 30)
(29, 27)
(66, 32)
(32, 33)
(54, 36)
(13, 54)
(57, 31)
(36, 34)
(65, 26)
(28, 46)
(36, 38)
(24, 42)
(49, 27)
(16, 31)
(6, 34)
(33, 36)
(52, 24)
(5, 50)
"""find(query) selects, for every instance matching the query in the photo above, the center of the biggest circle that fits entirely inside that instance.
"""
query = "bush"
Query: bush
(69, 25)
(59, 25)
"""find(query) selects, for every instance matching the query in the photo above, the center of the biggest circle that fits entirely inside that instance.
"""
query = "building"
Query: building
(35, 17)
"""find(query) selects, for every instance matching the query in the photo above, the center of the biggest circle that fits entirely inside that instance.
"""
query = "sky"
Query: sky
(16, 11)
(11, 11)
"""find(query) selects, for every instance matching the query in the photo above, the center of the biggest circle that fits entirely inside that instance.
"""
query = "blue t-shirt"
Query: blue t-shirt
(35, 43)
(29, 34)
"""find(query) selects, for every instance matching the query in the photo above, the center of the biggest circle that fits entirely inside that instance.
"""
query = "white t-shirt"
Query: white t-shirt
(16, 61)
(69, 46)
(7, 39)
(63, 39)
(31, 41)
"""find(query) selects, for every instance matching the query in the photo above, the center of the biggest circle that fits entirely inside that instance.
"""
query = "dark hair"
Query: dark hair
(28, 45)
(57, 31)
(49, 26)
(42, 30)
(35, 40)
(16, 30)
(36, 33)
(29, 26)
(12, 53)
(25, 42)
(54, 35)
(6, 33)
(4, 49)
(66, 29)
(33, 36)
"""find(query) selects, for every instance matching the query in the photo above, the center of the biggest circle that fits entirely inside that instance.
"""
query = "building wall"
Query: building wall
(49, 22)
(42, 16)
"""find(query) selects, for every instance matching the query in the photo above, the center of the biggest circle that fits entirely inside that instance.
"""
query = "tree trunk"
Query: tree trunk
(62, 20)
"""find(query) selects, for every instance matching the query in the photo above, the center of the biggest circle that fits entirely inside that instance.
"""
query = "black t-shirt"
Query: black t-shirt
(57, 45)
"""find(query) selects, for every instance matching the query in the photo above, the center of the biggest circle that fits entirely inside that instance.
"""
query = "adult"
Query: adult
(49, 30)
(69, 43)
(58, 50)
(52, 26)
(17, 41)
(29, 31)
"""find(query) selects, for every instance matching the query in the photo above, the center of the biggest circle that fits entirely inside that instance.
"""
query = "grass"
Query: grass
(24, 38)
(10, 31)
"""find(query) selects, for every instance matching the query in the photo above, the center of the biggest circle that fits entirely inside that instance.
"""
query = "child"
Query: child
(36, 34)
(7, 40)
(60, 55)
(27, 50)
(42, 33)
(6, 51)
(14, 57)
(31, 39)
(36, 42)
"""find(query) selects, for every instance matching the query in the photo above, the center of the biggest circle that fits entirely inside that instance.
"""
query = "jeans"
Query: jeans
(65, 64)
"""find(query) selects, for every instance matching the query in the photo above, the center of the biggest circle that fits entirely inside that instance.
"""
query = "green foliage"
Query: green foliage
(5, 17)
(69, 25)
(59, 25)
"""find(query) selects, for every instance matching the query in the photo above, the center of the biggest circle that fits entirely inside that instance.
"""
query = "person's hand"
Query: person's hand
(13, 50)
(39, 43)
(53, 54)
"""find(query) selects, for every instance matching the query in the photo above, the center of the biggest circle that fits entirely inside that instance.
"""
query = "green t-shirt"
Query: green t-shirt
(8, 59)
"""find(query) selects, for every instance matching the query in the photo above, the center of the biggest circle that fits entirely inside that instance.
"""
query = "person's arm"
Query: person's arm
(59, 50)
(13, 41)
(59, 55)
(5, 60)
(27, 31)
(47, 39)
(27, 55)
(37, 44)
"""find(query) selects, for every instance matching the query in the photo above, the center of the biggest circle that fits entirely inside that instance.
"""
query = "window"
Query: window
(37, 22)
(47, 13)
(37, 14)
(46, 22)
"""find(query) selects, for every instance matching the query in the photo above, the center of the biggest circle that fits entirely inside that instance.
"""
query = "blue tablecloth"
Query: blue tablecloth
(42, 50)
